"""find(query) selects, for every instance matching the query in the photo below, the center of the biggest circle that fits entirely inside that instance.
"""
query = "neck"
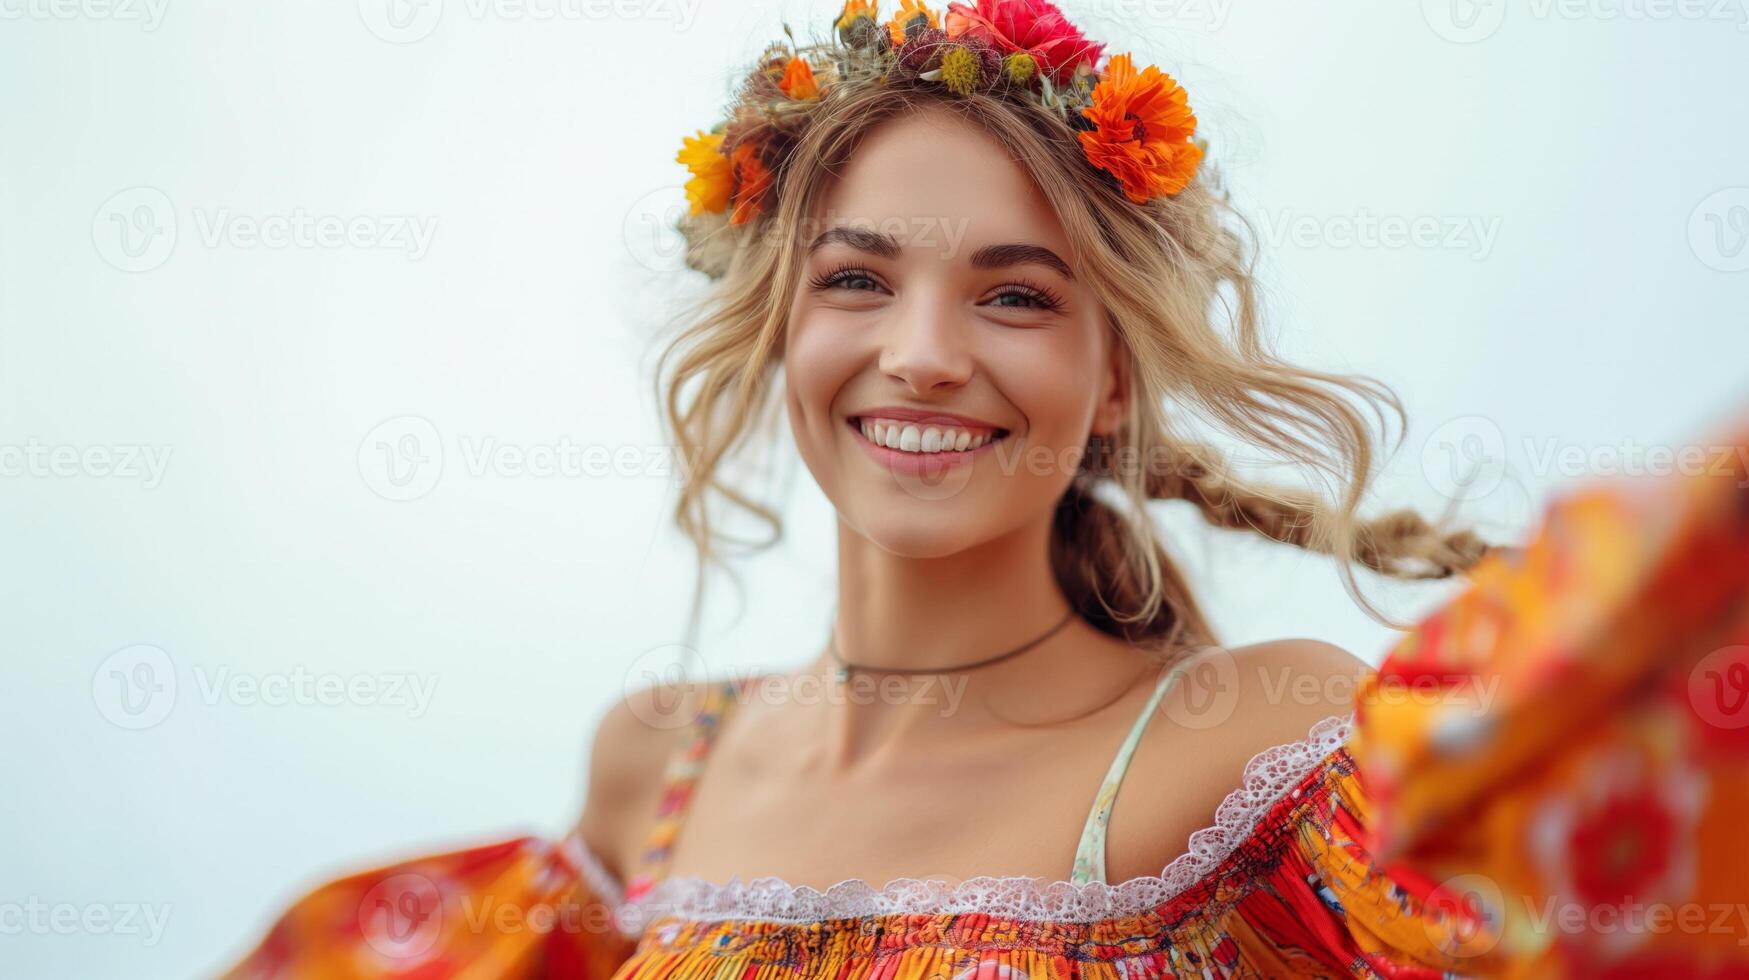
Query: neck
(905, 613)
(908, 613)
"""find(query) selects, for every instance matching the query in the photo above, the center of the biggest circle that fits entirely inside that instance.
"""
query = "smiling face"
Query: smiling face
(943, 366)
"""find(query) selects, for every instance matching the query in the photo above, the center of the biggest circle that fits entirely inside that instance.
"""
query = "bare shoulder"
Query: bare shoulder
(628, 758)
(1243, 700)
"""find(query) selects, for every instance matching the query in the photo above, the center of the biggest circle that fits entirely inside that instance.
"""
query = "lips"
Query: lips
(910, 458)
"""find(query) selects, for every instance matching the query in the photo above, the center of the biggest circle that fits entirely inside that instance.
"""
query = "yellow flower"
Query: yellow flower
(960, 70)
(912, 17)
(854, 9)
(713, 175)
(856, 25)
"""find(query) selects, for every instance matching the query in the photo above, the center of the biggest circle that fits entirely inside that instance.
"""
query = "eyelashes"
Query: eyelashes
(1046, 298)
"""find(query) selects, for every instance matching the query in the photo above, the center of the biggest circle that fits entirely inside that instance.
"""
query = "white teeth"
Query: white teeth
(929, 439)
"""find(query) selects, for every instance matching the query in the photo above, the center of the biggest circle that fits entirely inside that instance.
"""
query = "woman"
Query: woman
(995, 278)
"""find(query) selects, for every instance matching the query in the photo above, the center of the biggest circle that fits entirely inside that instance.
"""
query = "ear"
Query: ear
(1114, 387)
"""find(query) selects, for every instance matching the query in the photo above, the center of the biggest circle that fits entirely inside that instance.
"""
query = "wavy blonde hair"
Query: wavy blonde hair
(1175, 277)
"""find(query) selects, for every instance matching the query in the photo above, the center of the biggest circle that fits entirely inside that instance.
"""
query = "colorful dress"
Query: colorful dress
(1548, 777)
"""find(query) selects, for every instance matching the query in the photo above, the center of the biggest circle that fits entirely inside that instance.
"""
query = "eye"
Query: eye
(847, 277)
(1029, 295)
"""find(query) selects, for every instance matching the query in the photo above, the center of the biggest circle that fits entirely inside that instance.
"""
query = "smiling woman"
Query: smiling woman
(990, 278)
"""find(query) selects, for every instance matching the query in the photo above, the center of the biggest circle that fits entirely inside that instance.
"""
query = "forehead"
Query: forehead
(930, 176)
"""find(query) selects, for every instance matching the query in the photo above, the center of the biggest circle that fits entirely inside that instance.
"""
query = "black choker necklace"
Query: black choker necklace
(843, 669)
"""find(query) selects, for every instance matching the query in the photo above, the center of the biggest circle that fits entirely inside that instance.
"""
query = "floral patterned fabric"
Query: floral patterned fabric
(1548, 777)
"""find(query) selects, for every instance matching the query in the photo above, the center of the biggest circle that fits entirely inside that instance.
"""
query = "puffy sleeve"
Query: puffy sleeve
(521, 908)
(1558, 759)
(1548, 776)
(1551, 772)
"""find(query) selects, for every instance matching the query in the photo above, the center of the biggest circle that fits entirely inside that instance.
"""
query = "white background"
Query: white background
(1599, 149)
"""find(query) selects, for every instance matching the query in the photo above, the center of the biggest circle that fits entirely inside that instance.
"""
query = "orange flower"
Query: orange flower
(1142, 131)
(798, 80)
(912, 17)
(752, 180)
(713, 176)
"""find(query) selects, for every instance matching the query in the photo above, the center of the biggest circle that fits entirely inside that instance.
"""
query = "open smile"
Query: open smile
(921, 447)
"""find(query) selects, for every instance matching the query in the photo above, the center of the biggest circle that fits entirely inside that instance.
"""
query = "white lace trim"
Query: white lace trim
(1268, 775)
(602, 884)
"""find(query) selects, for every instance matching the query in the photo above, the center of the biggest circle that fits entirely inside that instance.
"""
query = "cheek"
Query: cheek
(1053, 386)
(820, 357)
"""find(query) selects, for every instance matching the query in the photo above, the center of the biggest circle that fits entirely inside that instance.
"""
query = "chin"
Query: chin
(921, 530)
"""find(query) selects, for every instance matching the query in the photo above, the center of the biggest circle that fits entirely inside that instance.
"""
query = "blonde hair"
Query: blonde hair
(1176, 279)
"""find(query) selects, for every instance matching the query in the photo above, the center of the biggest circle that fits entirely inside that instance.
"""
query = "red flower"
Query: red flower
(1034, 26)
(1620, 851)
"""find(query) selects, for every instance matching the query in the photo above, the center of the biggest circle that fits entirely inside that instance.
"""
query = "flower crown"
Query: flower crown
(1134, 126)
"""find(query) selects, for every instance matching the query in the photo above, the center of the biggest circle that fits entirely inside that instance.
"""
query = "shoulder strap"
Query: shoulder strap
(684, 766)
(1090, 852)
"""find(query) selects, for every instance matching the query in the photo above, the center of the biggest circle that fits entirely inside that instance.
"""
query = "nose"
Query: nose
(925, 347)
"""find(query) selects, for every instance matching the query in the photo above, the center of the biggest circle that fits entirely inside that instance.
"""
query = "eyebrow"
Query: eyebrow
(988, 257)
